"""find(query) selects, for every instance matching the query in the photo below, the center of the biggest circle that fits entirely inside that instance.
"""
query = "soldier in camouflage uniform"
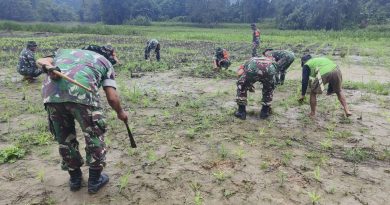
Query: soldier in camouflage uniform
(152, 44)
(66, 102)
(221, 59)
(255, 39)
(260, 69)
(283, 59)
(27, 66)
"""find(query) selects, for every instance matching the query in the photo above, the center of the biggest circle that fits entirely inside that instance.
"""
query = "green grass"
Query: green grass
(356, 155)
(372, 87)
(11, 154)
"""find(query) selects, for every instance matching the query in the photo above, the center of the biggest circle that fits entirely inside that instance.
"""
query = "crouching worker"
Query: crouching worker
(321, 71)
(27, 65)
(66, 102)
(260, 69)
(152, 44)
(221, 59)
(283, 59)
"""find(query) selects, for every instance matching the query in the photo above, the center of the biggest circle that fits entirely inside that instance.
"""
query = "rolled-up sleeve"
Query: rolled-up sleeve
(109, 78)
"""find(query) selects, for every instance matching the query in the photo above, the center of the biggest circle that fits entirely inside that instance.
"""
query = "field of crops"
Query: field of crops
(191, 149)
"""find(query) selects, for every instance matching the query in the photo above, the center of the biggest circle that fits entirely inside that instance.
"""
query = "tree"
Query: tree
(48, 11)
(208, 11)
(254, 10)
(319, 14)
(90, 11)
(18, 10)
(173, 8)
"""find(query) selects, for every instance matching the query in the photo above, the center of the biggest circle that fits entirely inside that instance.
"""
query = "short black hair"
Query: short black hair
(106, 51)
(305, 58)
(267, 49)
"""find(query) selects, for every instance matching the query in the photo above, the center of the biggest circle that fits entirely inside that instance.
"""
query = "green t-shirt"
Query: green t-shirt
(321, 64)
(86, 67)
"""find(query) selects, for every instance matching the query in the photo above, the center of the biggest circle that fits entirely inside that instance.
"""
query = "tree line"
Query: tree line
(288, 14)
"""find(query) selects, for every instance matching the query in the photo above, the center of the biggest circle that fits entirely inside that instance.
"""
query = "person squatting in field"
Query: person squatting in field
(27, 65)
(283, 59)
(66, 102)
(152, 44)
(255, 39)
(318, 72)
(221, 59)
(260, 69)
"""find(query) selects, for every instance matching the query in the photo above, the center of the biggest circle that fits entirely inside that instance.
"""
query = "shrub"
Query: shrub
(139, 21)
(11, 154)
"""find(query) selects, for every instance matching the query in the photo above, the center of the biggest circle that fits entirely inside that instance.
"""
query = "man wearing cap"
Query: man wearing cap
(27, 65)
(255, 39)
(321, 71)
(152, 44)
(66, 102)
(260, 69)
(283, 60)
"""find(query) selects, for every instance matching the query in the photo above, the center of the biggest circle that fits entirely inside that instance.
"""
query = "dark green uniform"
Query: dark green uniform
(27, 65)
(152, 44)
(260, 69)
(283, 59)
(66, 102)
(255, 41)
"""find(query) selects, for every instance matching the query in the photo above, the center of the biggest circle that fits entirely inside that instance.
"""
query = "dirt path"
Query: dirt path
(192, 151)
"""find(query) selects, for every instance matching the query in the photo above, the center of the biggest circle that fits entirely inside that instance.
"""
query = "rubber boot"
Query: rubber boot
(96, 180)
(265, 112)
(282, 77)
(75, 179)
(277, 79)
(241, 113)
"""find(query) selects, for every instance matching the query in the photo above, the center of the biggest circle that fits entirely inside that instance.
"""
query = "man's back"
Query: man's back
(279, 54)
(88, 68)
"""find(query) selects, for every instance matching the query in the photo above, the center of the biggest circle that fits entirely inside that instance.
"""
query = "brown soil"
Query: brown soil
(171, 164)
(191, 150)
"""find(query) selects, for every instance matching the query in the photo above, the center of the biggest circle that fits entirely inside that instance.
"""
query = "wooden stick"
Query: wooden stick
(71, 80)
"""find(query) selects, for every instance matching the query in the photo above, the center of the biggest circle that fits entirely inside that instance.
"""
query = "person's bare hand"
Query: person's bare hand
(122, 115)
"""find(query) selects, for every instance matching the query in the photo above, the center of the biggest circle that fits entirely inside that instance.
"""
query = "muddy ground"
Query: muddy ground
(191, 150)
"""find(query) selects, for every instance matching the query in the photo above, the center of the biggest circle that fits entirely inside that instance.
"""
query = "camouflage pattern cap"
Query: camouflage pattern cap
(108, 48)
(31, 44)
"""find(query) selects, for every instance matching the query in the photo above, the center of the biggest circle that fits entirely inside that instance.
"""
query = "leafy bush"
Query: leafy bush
(139, 21)
(11, 154)
(180, 19)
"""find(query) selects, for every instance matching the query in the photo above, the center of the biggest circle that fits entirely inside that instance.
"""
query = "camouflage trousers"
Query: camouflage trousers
(149, 49)
(245, 83)
(282, 65)
(30, 71)
(255, 46)
(62, 118)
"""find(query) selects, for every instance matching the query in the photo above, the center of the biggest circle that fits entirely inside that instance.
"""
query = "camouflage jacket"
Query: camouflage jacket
(88, 68)
(26, 61)
(258, 68)
(152, 44)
